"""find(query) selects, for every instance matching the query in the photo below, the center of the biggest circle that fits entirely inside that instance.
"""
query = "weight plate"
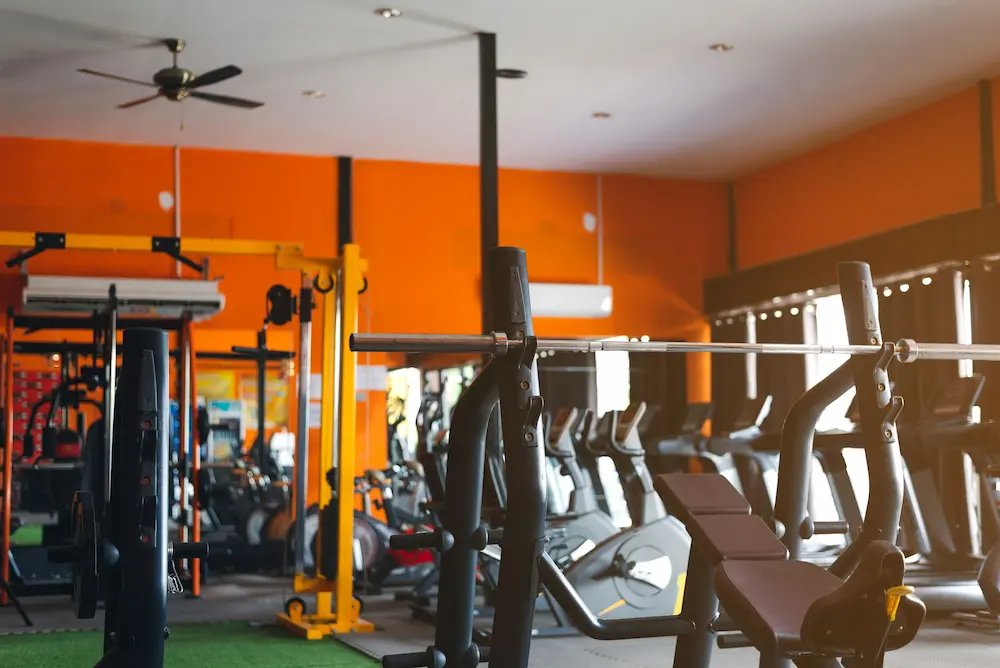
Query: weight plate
(85, 568)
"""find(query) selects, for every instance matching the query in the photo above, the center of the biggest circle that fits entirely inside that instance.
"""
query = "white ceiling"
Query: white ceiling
(803, 72)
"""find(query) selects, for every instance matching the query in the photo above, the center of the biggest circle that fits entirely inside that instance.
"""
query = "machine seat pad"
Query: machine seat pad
(793, 607)
(743, 537)
(768, 600)
(688, 494)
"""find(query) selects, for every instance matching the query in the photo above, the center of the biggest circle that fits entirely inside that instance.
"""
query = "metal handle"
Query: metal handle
(190, 550)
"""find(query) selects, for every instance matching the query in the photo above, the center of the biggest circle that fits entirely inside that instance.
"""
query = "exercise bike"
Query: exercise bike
(638, 572)
(584, 525)
(376, 564)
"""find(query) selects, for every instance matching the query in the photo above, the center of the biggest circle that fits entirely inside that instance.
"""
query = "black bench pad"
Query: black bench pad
(688, 494)
(769, 599)
(725, 537)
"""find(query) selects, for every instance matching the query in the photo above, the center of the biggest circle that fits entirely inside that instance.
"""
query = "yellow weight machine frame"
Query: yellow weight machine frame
(338, 282)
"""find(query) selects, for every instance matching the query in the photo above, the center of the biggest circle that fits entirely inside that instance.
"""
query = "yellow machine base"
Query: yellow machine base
(313, 628)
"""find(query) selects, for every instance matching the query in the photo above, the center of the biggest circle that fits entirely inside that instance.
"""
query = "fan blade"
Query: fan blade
(141, 100)
(215, 76)
(116, 77)
(226, 99)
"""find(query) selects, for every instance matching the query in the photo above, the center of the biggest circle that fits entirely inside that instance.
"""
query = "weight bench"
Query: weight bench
(792, 608)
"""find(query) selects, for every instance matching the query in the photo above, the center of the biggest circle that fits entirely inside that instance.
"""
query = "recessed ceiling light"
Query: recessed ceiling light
(721, 47)
(388, 12)
(927, 280)
(314, 94)
(510, 73)
(601, 115)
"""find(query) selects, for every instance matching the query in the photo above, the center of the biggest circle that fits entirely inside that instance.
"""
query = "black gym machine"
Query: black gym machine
(865, 582)
(128, 554)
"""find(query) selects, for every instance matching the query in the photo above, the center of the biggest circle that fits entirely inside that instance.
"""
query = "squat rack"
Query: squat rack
(336, 609)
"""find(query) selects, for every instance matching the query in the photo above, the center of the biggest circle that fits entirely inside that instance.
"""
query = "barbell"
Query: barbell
(498, 344)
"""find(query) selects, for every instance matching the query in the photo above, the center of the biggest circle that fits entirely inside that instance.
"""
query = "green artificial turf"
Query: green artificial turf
(218, 645)
(29, 534)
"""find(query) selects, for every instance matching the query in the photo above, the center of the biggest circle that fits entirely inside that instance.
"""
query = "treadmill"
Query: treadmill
(674, 453)
(730, 452)
(945, 578)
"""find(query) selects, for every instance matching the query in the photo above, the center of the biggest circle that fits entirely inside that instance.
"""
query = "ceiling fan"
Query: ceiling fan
(176, 83)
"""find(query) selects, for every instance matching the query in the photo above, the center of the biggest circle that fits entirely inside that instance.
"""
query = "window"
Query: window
(612, 379)
(403, 401)
(751, 359)
(964, 322)
(825, 317)
(613, 394)
(825, 325)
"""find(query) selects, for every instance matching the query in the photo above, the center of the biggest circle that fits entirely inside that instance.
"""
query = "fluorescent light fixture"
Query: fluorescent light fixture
(570, 300)
(153, 297)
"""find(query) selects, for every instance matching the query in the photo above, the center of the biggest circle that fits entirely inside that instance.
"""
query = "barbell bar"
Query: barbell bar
(907, 350)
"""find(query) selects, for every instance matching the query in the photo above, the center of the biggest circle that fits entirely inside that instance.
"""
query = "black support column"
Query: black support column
(489, 216)
(345, 201)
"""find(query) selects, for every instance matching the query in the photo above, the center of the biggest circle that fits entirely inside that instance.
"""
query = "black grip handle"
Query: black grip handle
(732, 641)
(421, 540)
(832, 527)
(408, 660)
(429, 658)
(190, 550)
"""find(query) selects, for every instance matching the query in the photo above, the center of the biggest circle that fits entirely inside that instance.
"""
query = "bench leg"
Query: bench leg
(701, 606)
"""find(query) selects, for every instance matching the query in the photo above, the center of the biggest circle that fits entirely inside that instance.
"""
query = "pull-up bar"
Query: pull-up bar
(178, 248)
(907, 350)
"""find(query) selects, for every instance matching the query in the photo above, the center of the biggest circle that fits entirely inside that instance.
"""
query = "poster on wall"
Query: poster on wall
(219, 385)
(276, 407)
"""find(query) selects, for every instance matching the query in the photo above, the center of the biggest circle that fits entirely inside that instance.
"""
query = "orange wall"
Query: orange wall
(417, 224)
(911, 168)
